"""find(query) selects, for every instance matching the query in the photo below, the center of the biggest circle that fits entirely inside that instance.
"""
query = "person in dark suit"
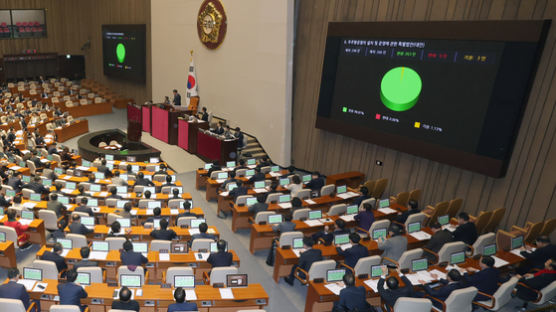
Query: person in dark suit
(219, 128)
(84, 208)
(536, 281)
(187, 211)
(264, 162)
(168, 181)
(215, 167)
(354, 253)
(163, 233)
(258, 176)
(125, 302)
(55, 256)
(413, 206)
(130, 257)
(352, 298)
(231, 179)
(114, 193)
(306, 259)
(390, 295)
(157, 212)
(366, 217)
(85, 262)
(59, 233)
(177, 98)
(56, 206)
(239, 136)
(259, 206)
(536, 259)
(222, 258)
(76, 227)
(71, 293)
(485, 280)
(316, 183)
(394, 246)
(364, 195)
(327, 236)
(466, 230)
(13, 290)
(102, 168)
(238, 191)
(204, 114)
(286, 226)
(142, 181)
(36, 186)
(203, 228)
(115, 229)
(452, 283)
(181, 304)
(438, 239)
(15, 181)
(161, 169)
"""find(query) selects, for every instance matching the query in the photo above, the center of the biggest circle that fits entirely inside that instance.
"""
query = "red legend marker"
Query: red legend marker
(377, 116)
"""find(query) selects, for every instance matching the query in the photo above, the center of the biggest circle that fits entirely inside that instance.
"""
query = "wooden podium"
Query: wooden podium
(134, 119)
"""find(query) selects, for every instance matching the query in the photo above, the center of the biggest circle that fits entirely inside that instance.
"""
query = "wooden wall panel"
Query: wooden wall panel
(71, 23)
(529, 189)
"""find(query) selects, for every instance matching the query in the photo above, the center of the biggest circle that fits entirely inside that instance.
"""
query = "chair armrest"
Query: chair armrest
(432, 253)
(519, 229)
(348, 267)
(529, 224)
(32, 306)
(163, 277)
(321, 240)
(60, 273)
(146, 276)
(472, 218)
(362, 230)
(251, 220)
(206, 278)
(86, 309)
(437, 300)
(399, 223)
(20, 237)
(303, 281)
(104, 276)
(471, 247)
(493, 303)
(393, 199)
(539, 294)
(391, 260)
(60, 218)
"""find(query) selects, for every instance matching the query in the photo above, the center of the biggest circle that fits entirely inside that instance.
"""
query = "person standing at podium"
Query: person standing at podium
(177, 98)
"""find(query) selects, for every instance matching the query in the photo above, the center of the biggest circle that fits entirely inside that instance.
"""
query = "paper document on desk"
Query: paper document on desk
(387, 210)
(345, 246)
(226, 293)
(211, 231)
(455, 267)
(150, 212)
(348, 218)
(220, 180)
(420, 235)
(312, 223)
(373, 284)
(414, 278)
(67, 177)
(298, 251)
(25, 221)
(133, 212)
(310, 201)
(64, 252)
(174, 211)
(335, 288)
(40, 287)
(98, 255)
(224, 194)
(194, 231)
(449, 227)
(344, 195)
(190, 294)
(202, 256)
(164, 257)
(27, 283)
(425, 276)
(517, 252)
(440, 275)
(15, 168)
(29, 205)
(44, 160)
(499, 262)
(82, 168)
(285, 205)
(275, 174)
(261, 190)
(103, 194)
(67, 191)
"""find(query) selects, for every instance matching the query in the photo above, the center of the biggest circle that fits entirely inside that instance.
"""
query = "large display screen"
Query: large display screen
(449, 91)
(123, 48)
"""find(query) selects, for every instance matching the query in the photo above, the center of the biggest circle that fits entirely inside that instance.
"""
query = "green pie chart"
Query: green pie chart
(400, 88)
(120, 52)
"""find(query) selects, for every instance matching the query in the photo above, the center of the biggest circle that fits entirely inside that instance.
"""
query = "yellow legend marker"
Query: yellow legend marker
(417, 124)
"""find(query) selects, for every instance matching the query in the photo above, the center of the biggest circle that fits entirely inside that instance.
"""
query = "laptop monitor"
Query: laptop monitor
(88, 221)
(50, 157)
(236, 280)
(274, 169)
(134, 168)
(71, 185)
(83, 278)
(335, 275)
(419, 264)
(352, 209)
(457, 257)
(184, 281)
(376, 270)
(66, 243)
(10, 193)
(58, 171)
(85, 163)
(250, 173)
(93, 202)
(251, 161)
(383, 203)
(99, 175)
(22, 164)
(130, 280)
(124, 177)
(109, 157)
(32, 274)
(35, 197)
(153, 204)
(110, 166)
(208, 166)
(231, 186)
(196, 222)
(95, 187)
(341, 239)
(284, 181)
(222, 175)
(124, 222)
(250, 201)
(121, 189)
(121, 203)
(517, 242)
(230, 164)
(489, 250)
(297, 243)
(2, 236)
(443, 220)
(214, 247)
(259, 184)
(284, 198)
(47, 182)
(26, 179)
(140, 247)
(378, 233)
(100, 246)
(275, 219)
(1, 211)
(156, 223)
(64, 200)
(306, 178)
(27, 215)
(414, 227)
(154, 160)
(315, 214)
(150, 189)
(341, 189)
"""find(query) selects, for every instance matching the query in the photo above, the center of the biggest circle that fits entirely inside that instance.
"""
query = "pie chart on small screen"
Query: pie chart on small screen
(400, 88)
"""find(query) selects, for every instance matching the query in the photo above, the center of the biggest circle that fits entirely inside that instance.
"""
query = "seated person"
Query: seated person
(364, 196)
(142, 181)
(536, 259)
(485, 280)
(81, 191)
(84, 262)
(76, 227)
(204, 114)
(176, 194)
(295, 186)
(466, 230)
(259, 206)
(203, 228)
(340, 227)
(36, 186)
(221, 258)
(366, 217)
(156, 216)
(352, 298)
(306, 259)
(413, 209)
(114, 193)
(125, 302)
(59, 233)
(394, 246)
(238, 191)
(390, 295)
(13, 290)
(316, 182)
(117, 180)
(327, 236)
(438, 239)
(286, 226)
(219, 128)
(187, 211)
(130, 257)
(163, 233)
(115, 229)
(258, 176)
(355, 252)
(20, 229)
(70, 292)
(452, 283)
(181, 304)
(168, 181)
(55, 256)
(84, 208)
(231, 179)
(162, 169)
(127, 211)
(536, 281)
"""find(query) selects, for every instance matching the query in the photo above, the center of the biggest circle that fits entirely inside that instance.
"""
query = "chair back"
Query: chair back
(448, 249)
(158, 244)
(193, 103)
(494, 220)
(144, 203)
(77, 240)
(185, 221)
(123, 269)
(13, 305)
(272, 197)
(111, 202)
(482, 221)
(159, 177)
(547, 293)
(11, 234)
(548, 227)
(115, 243)
(265, 169)
(408, 256)
(112, 217)
(380, 187)
(49, 269)
(363, 265)
(31, 165)
(96, 273)
(402, 198)
(370, 201)
(460, 300)
(454, 207)
(327, 189)
(27, 193)
(404, 304)
(64, 308)
(175, 203)
(218, 275)
(214, 174)
(286, 239)
(319, 268)
(416, 217)
(533, 231)
(201, 243)
(370, 185)
(241, 200)
(172, 271)
(303, 194)
(263, 216)
(482, 241)
(337, 210)
(379, 224)
(50, 219)
(302, 213)
(503, 294)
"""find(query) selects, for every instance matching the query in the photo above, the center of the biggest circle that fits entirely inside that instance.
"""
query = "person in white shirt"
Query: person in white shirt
(295, 186)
